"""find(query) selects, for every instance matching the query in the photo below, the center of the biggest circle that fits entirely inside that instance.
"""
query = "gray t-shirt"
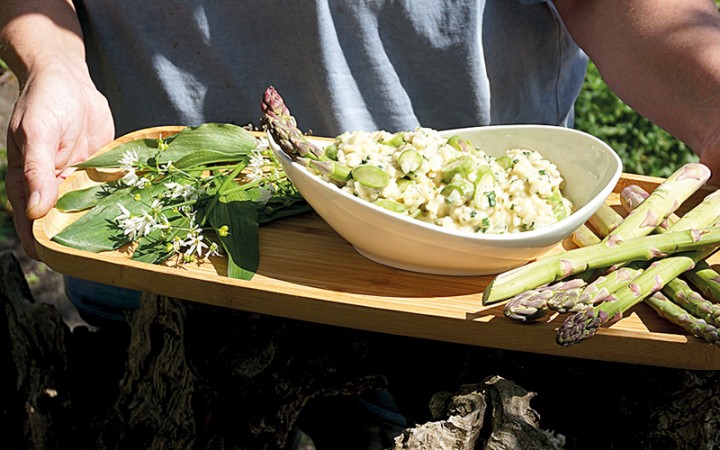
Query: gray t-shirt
(340, 65)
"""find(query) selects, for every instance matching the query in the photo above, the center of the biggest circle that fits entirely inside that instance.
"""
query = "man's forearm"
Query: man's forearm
(34, 32)
(662, 57)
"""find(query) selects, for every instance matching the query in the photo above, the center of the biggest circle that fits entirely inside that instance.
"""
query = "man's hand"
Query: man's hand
(60, 119)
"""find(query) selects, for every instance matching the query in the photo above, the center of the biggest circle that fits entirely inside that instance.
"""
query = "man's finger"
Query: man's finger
(16, 195)
(38, 169)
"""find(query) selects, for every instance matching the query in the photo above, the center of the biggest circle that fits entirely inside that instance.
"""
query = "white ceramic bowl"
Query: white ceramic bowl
(590, 167)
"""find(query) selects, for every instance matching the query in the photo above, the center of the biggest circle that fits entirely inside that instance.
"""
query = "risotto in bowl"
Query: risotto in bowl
(473, 201)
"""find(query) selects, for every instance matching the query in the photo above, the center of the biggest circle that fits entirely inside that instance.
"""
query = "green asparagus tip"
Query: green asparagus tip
(272, 102)
(528, 306)
(580, 326)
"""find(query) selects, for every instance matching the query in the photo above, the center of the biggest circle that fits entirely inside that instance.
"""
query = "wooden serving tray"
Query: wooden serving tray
(309, 272)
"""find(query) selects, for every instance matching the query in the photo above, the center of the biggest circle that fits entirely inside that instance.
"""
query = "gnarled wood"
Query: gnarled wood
(39, 409)
(463, 424)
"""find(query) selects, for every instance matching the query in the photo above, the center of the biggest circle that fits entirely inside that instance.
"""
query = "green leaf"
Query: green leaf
(286, 201)
(204, 157)
(96, 231)
(242, 244)
(146, 148)
(152, 249)
(82, 198)
(213, 141)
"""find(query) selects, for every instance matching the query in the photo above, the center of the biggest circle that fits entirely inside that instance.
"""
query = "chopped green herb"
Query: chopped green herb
(485, 224)
(492, 201)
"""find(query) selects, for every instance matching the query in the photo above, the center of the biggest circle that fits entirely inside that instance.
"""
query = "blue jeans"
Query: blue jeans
(101, 304)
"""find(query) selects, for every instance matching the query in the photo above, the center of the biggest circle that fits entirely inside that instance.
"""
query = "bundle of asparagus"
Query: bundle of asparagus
(626, 277)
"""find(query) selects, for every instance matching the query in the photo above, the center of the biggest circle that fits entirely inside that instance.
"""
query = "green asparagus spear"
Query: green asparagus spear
(664, 200)
(528, 306)
(680, 292)
(605, 285)
(706, 280)
(702, 276)
(571, 262)
(282, 126)
(584, 237)
(568, 299)
(632, 196)
(605, 220)
(584, 324)
(687, 308)
(677, 315)
(660, 273)
(533, 304)
(661, 203)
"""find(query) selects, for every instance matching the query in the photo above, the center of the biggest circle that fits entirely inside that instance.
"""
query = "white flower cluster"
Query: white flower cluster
(127, 165)
(135, 226)
(183, 190)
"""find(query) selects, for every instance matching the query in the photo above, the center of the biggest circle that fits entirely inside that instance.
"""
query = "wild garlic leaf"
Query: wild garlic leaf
(201, 158)
(205, 144)
(81, 199)
(96, 230)
(210, 141)
(220, 179)
(145, 148)
(242, 243)
(279, 207)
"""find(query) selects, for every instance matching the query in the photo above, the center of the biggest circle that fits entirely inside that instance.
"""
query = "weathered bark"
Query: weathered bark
(515, 424)
(463, 425)
(36, 407)
(240, 384)
(691, 418)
